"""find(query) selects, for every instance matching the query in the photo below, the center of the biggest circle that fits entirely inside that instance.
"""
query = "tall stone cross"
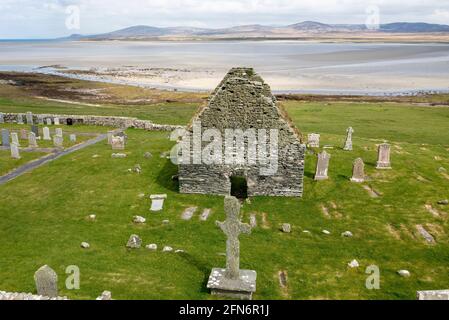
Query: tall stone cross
(232, 228)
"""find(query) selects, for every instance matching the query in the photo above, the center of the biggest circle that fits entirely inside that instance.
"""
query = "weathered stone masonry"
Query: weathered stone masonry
(109, 121)
(243, 101)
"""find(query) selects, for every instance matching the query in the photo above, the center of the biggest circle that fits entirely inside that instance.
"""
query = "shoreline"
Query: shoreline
(98, 77)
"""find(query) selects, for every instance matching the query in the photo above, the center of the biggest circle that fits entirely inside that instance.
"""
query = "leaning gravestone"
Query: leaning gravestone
(46, 132)
(15, 138)
(157, 202)
(20, 118)
(358, 171)
(5, 138)
(2, 118)
(58, 141)
(322, 166)
(15, 151)
(383, 156)
(348, 142)
(313, 140)
(233, 282)
(29, 117)
(23, 134)
(46, 282)
(32, 143)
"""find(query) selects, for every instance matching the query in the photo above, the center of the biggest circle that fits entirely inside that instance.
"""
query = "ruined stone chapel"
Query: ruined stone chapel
(244, 101)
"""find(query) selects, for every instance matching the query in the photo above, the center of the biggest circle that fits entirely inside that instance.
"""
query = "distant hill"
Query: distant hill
(261, 31)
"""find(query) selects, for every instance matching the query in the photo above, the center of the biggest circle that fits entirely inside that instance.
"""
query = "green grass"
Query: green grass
(44, 221)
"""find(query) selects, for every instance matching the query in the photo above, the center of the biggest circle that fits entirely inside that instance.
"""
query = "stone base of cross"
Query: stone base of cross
(233, 282)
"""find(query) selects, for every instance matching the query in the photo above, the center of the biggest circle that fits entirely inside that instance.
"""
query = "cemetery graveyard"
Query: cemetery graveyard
(376, 197)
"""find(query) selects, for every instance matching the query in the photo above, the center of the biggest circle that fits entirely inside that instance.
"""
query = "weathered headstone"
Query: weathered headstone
(358, 171)
(32, 143)
(383, 156)
(433, 295)
(48, 121)
(118, 143)
(46, 282)
(20, 118)
(110, 135)
(29, 117)
(69, 121)
(134, 242)
(157, 202)
(313, 140)
(15, 151)
(206, 213)
(233, 282)
(348, 142)
(58, 141)
(23, 134)
(58, 132)
(40, 120)
(46, 132)
(2, 117)
(322, 166)
(188, 213)
(5, 138)
(56, 121)
(35, 130)
(73, 137)
(15, 138)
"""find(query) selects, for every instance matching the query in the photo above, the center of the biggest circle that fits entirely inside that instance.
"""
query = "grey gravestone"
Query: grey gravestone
(188, 213)
(23, 134)
(2, 118)
(48, 121)
(433, 295)
(29, 117)
(233, 282)
(322, 166)
(134, 242)
(46, 133)
(46, 282)
(56, 121)
(20, 118)
(348, 142)
(40, 120)
(32, 143)
(15, 138)
(206, 213)
(313, 140)
(110, 135)
(58, 141)
(383, 157)
(15, 151)
(5, 138)
(157, 202)
(73, 137)
(58, 132)
(35, 130)
(118, 143)
(358, 171)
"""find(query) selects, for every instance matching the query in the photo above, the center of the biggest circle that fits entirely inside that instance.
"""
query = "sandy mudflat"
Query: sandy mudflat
(286, 65)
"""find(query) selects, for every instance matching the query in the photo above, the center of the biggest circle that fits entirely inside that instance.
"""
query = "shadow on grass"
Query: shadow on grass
(164, 179)
(201, 266)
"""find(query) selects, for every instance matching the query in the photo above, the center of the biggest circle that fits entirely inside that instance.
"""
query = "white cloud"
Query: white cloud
(30, 18)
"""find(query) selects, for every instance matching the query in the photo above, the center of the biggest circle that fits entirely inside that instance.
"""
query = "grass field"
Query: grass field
(44, 213)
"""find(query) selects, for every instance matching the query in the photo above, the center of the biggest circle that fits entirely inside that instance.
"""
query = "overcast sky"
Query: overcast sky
(55, 18)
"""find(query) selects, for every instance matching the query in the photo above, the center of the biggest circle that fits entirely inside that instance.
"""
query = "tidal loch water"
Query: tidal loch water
(288, 66)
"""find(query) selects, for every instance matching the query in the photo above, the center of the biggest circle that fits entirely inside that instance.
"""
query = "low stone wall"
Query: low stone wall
(25, 296)
(109, 121)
